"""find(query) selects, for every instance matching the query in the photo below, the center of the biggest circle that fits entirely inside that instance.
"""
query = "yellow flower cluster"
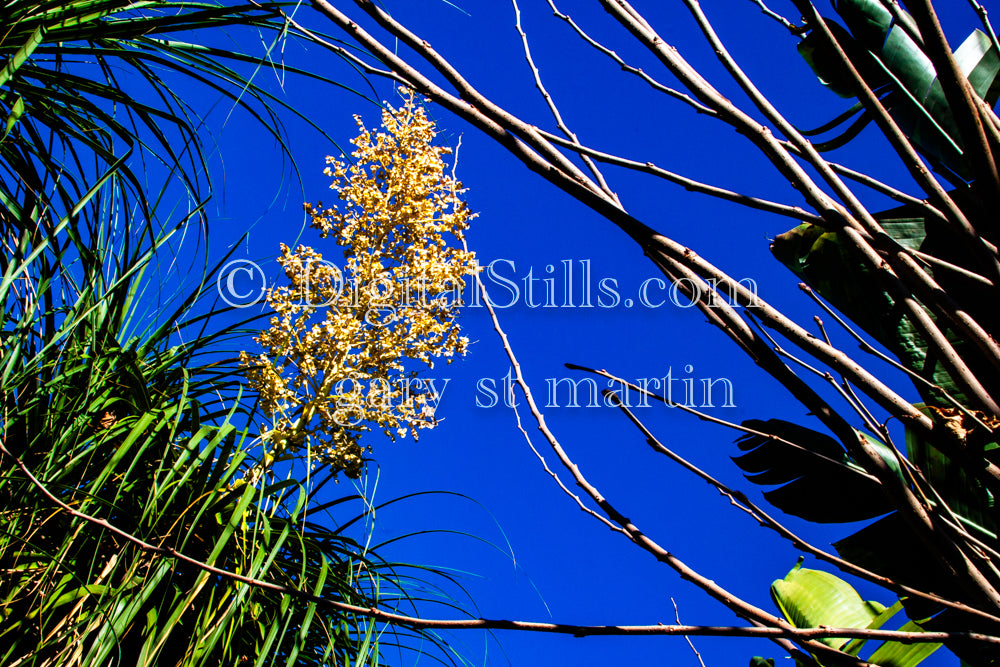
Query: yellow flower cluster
(344, 347)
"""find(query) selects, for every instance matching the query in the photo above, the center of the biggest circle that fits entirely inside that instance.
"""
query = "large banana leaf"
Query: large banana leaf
(818, 258)
(889, 57)
(890, 548)
(813, 598)
(820, 480)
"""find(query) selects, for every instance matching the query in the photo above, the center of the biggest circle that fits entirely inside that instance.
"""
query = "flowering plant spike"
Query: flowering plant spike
(345, 347)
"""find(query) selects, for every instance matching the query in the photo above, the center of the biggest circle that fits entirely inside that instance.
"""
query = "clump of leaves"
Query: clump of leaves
(339, 354)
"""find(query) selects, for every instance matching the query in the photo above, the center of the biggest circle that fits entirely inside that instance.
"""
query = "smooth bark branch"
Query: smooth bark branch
(725, 317)
(903, 198)
(767, 11)
(709, 418)
(708, 95)
(832, 357)
(871, 182)
(852, 397)
(843, 387)
(702, 109)
(942, 264)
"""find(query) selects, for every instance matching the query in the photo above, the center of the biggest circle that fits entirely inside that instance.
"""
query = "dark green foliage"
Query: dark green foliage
(821, 482)
(818, 257)
(815, 471)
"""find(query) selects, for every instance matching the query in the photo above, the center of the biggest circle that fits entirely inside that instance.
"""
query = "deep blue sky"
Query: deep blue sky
(549, 561)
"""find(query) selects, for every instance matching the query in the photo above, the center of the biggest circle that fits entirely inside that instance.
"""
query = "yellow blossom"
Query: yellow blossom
(343, 349)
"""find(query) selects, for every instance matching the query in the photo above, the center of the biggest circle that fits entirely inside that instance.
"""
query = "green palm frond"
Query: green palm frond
(140, 421)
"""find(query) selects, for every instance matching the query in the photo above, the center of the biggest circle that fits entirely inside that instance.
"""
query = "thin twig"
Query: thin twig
(704, 416)
(865, 346)
(901, 460)
(656, 85)
(767, 11)
(520, 427)
(856, 402)
(985, 19)
(560, 123)
(689, 184)
(849, 396)
(677, 616)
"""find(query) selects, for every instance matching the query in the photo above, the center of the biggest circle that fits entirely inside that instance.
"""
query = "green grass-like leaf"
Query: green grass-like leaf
(137, 417)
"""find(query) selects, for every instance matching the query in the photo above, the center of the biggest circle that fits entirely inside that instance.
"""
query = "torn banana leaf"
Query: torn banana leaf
(888, 54)
(820, 481)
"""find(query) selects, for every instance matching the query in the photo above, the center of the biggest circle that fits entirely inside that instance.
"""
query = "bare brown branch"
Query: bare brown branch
(960, 96)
